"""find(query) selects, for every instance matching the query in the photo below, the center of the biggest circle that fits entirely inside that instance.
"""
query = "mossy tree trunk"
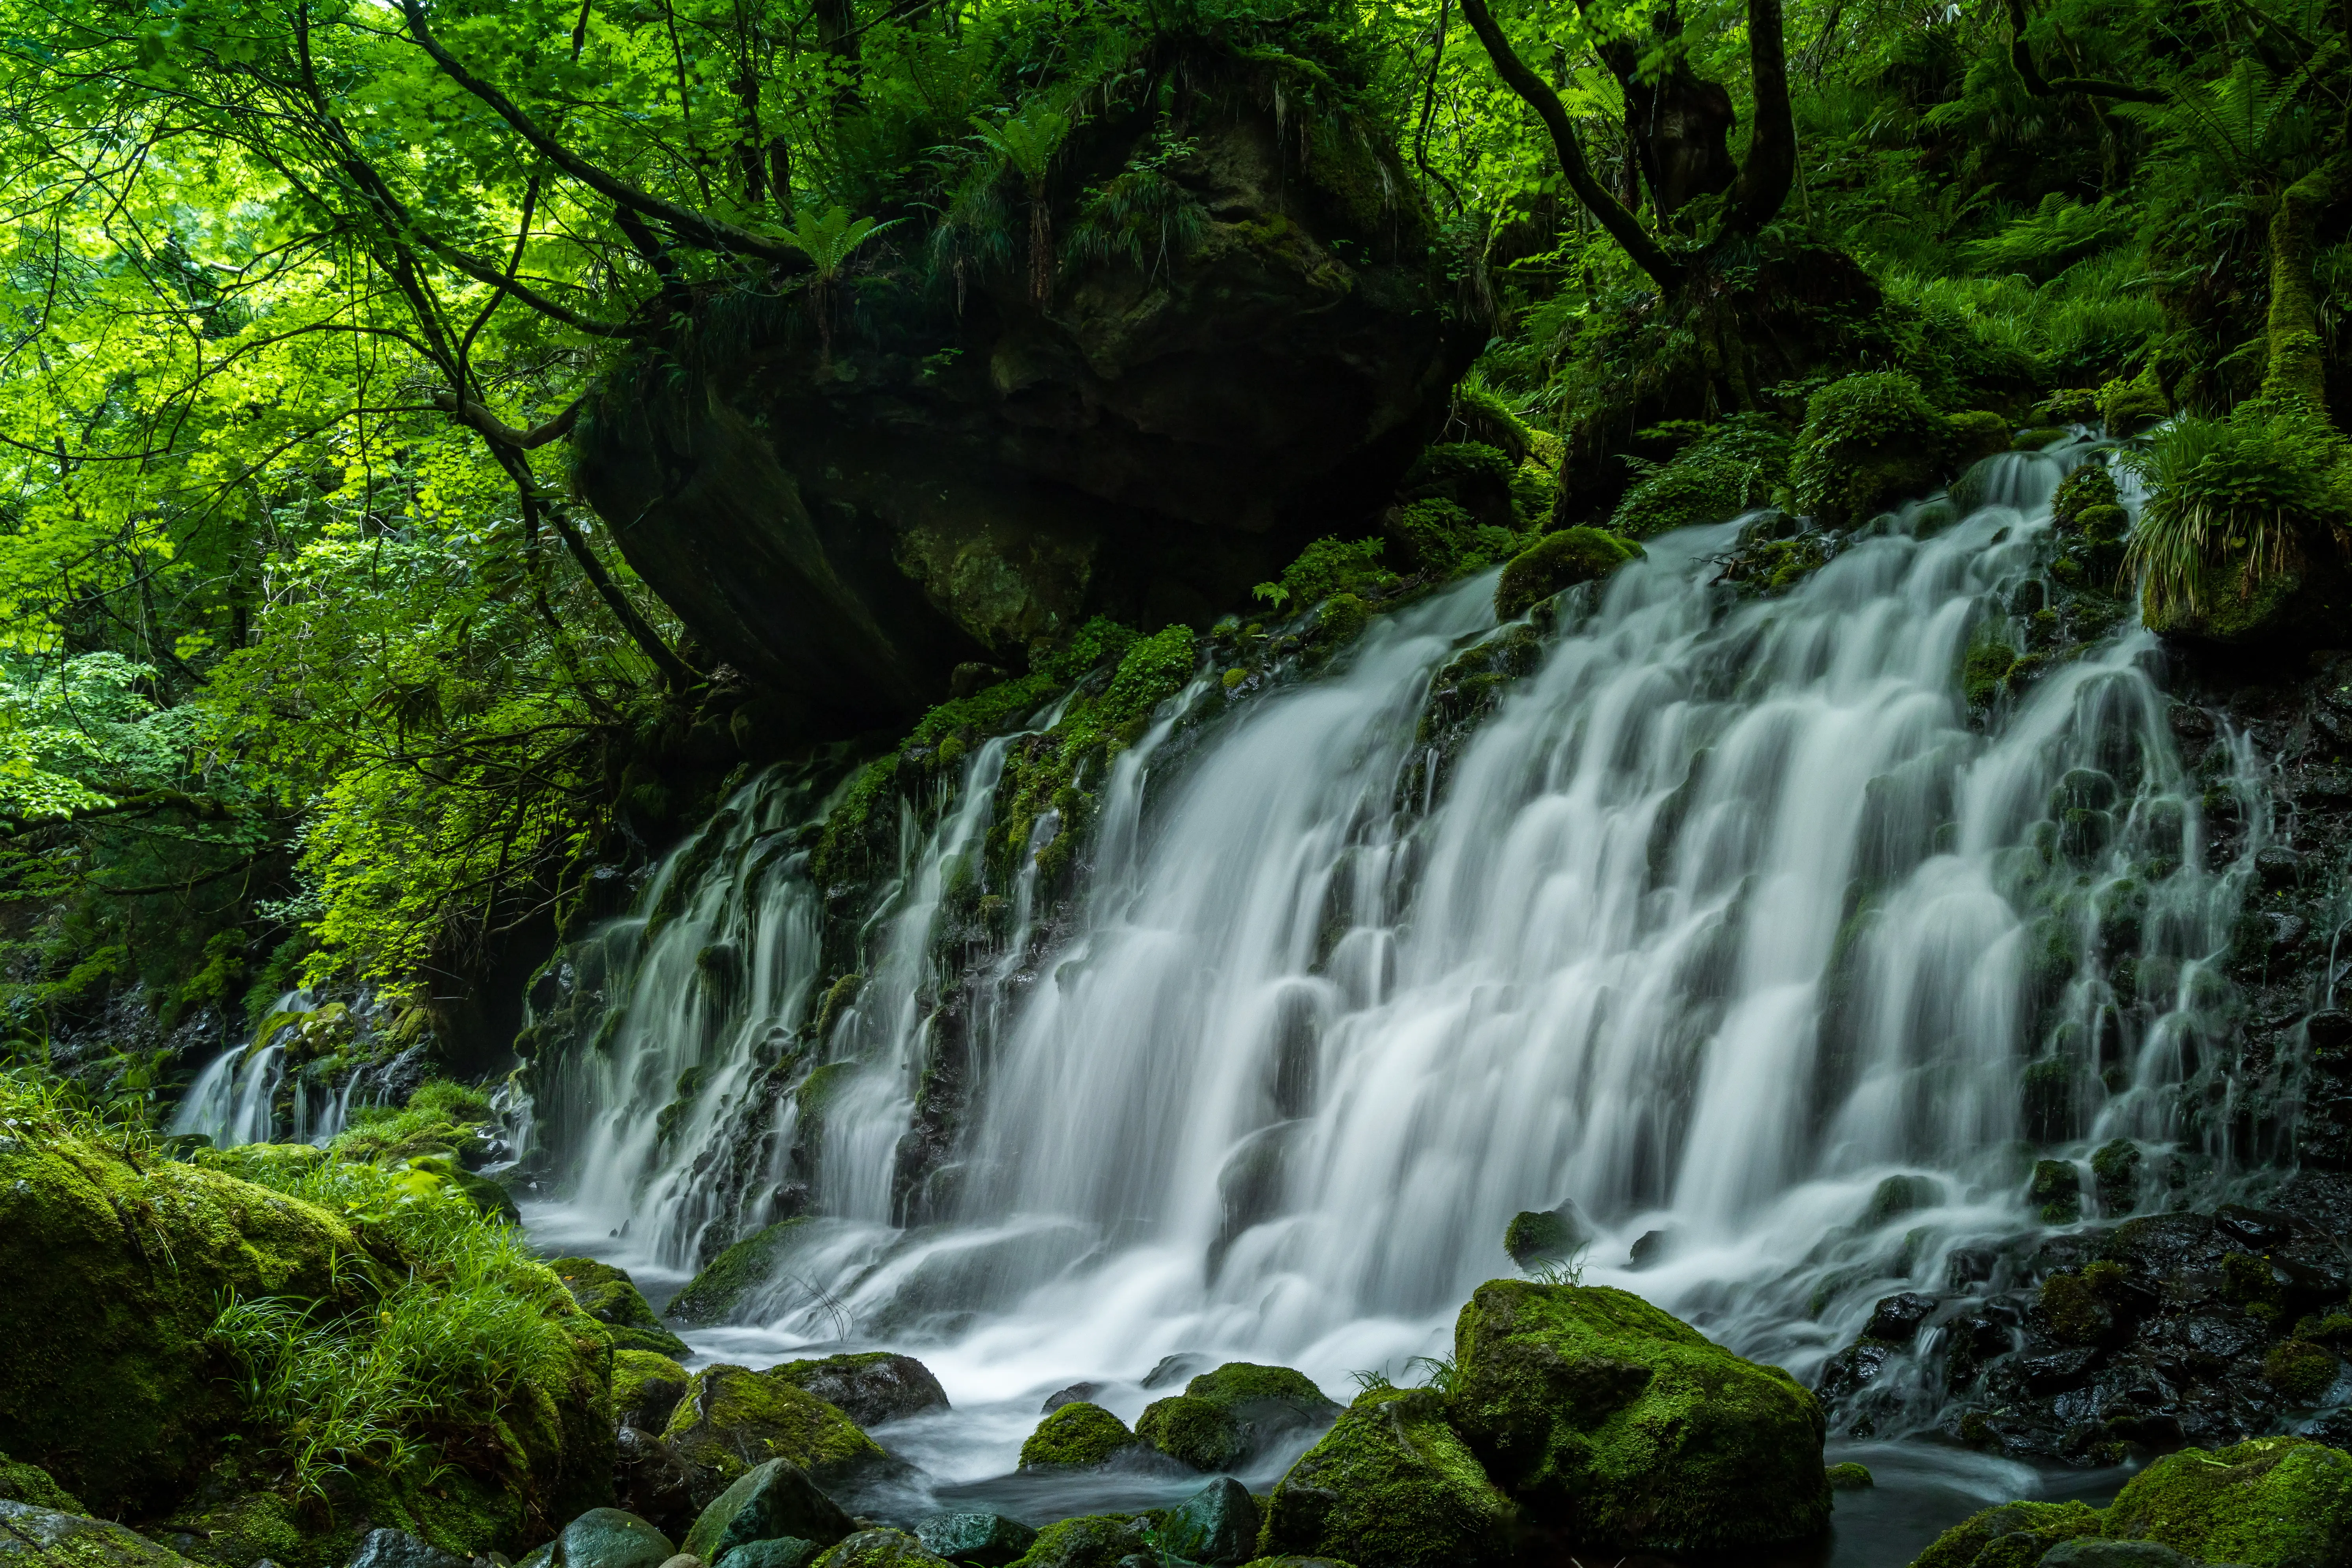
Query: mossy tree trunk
(2297, 366)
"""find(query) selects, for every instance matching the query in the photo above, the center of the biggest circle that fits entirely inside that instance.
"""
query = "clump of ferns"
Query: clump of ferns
(974, 237)
(2249, 491)
(1141, 216)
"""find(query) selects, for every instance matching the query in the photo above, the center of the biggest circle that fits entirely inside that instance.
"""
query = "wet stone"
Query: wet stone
(1217, 1524)
(612, 1538)
(398, 1549)
(990, 1540)
(1076, 1394)
(767, 1503)
(1177, 1368)
(1897, 1318)
(2053, 1371)
(783, 1551)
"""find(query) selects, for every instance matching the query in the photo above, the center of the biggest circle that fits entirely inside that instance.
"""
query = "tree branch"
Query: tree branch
(1770, 165)
(1611, 214)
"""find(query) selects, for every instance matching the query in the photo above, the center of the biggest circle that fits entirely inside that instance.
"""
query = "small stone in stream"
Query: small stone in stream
(1075, 1394)
(398, 1549)
(1850, 1477)
(1217, 1524)
(1651, 1249)
(990, 1540)
(611, 1538)
(1897, 1318)
(767, 1503)
(869, 1388)
(1175, 1368)
(783, 1551)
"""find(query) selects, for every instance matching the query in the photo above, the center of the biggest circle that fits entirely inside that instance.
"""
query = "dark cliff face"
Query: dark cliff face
(949, 469)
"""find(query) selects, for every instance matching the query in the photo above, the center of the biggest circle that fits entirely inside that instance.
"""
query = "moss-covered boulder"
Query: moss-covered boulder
(1389, 1484)
(608, 1295)
(611, 1538)
(646, 1388)
(33, 1537)
(732, 1418)
(1229, 1415)
(1728, 469)
(110, 1276)
(2273, 1502)
(1620, 1426)
(1078, 1435)
(2017, 1533)
(768, 1502)
(882, 1548)
(1557, 561)
(724, 1287)
(869, 1388)
(1192, 1432)
(1093, 1540)
(984, 1539)
(1874, 439)
(33, 1485)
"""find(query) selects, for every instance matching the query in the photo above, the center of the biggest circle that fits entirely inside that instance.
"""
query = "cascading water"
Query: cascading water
(235, 1099)
(1727, 928)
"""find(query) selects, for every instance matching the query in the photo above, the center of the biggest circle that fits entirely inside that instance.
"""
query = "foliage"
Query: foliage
(2252, 492)
(1327, 566)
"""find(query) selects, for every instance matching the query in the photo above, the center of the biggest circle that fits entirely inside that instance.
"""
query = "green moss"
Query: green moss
(1869, 441)
(2017, 1533)
(1557, 561)
(1621, 1427)
(608, 1295)
(1241, 1382)
(881, 1549)
(1536, 1235)
(2079, 1302)
(1726, 470)
(2300, 1371)
(2057, 1186)
(2251, 1282)
(2273, 1502)
(2076, 405)
(2089, 486)
(36, 1538)
(1195, 1432)
(1985, 672)
(2131, 406)
(2114, 1170)
(441, 1118)
(1078, 1435)
(1091, 1540)
(1973, 435)
(714, 1295)
(732, 1418)
(838, 996)
(646, 1388)
(1326, 566)
(1850, 1477)
(31, 1485)
(1391, 1484)
(248, 1529)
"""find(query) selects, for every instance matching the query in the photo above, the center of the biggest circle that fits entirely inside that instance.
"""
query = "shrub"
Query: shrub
(1327, 566)
(1729, 469)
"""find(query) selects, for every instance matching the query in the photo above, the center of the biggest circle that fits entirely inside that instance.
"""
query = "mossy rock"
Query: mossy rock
(2089, 486)
(1542, 1235)
(33, 1537)
(725, 1286)
(1725, 470)
(2129, 407)
(245, 1530)
(646, 1388)
(1078, 1435)
(767, 1502)
(1851, 1478)
(871, 1387)
(1870, 440)
(732, 1419)
(2014, 1533)
(1192, 1432)
(33, 1486)
(1092, 1540)
(110, 1276)
(1620, 1426)
(1389, 1484)
(1974, 435)
(1557, 561)
(2273, 1502)
(882, 1548)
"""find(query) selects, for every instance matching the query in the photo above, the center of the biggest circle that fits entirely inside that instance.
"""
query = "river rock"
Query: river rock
(1091, 1540)
(608, 1295)
(1389, 1484)
(732, 1417)
(784, 1552)
(1217, 1524)
(1070, 1395)
(33, 1537)
(646, 1388)
(612, 1538)
(2273, 1502)
(767, 1503)
(729, 1282)
(1228, 1417)
(1545, 1235)
(1078, 1435)
(2017, 1533)
(882, 1548)
(651, 1481)
(1623, 1428)
(398, 1549)
(990, 1540)
(871, 1388)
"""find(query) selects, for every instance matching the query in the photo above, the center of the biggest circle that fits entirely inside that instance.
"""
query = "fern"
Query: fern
(2245, 490)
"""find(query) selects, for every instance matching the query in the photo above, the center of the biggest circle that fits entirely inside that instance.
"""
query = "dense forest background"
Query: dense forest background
(314, 666)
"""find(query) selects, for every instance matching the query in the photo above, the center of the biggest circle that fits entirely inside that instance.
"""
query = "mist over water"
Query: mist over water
(1726, 915)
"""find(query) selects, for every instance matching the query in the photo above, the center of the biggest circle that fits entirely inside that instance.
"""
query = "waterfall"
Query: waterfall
(1727, 928)
(235, 1099)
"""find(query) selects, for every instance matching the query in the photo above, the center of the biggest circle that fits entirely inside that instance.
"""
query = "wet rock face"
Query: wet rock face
(869, 1388)
(847, 521)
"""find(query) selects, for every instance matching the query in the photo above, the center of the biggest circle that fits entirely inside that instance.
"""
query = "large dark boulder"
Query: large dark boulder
(846, 515)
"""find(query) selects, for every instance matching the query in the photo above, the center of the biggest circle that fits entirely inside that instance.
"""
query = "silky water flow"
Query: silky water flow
(1727, 932)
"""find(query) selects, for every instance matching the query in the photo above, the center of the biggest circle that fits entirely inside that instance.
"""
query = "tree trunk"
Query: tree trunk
(2296, 370)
